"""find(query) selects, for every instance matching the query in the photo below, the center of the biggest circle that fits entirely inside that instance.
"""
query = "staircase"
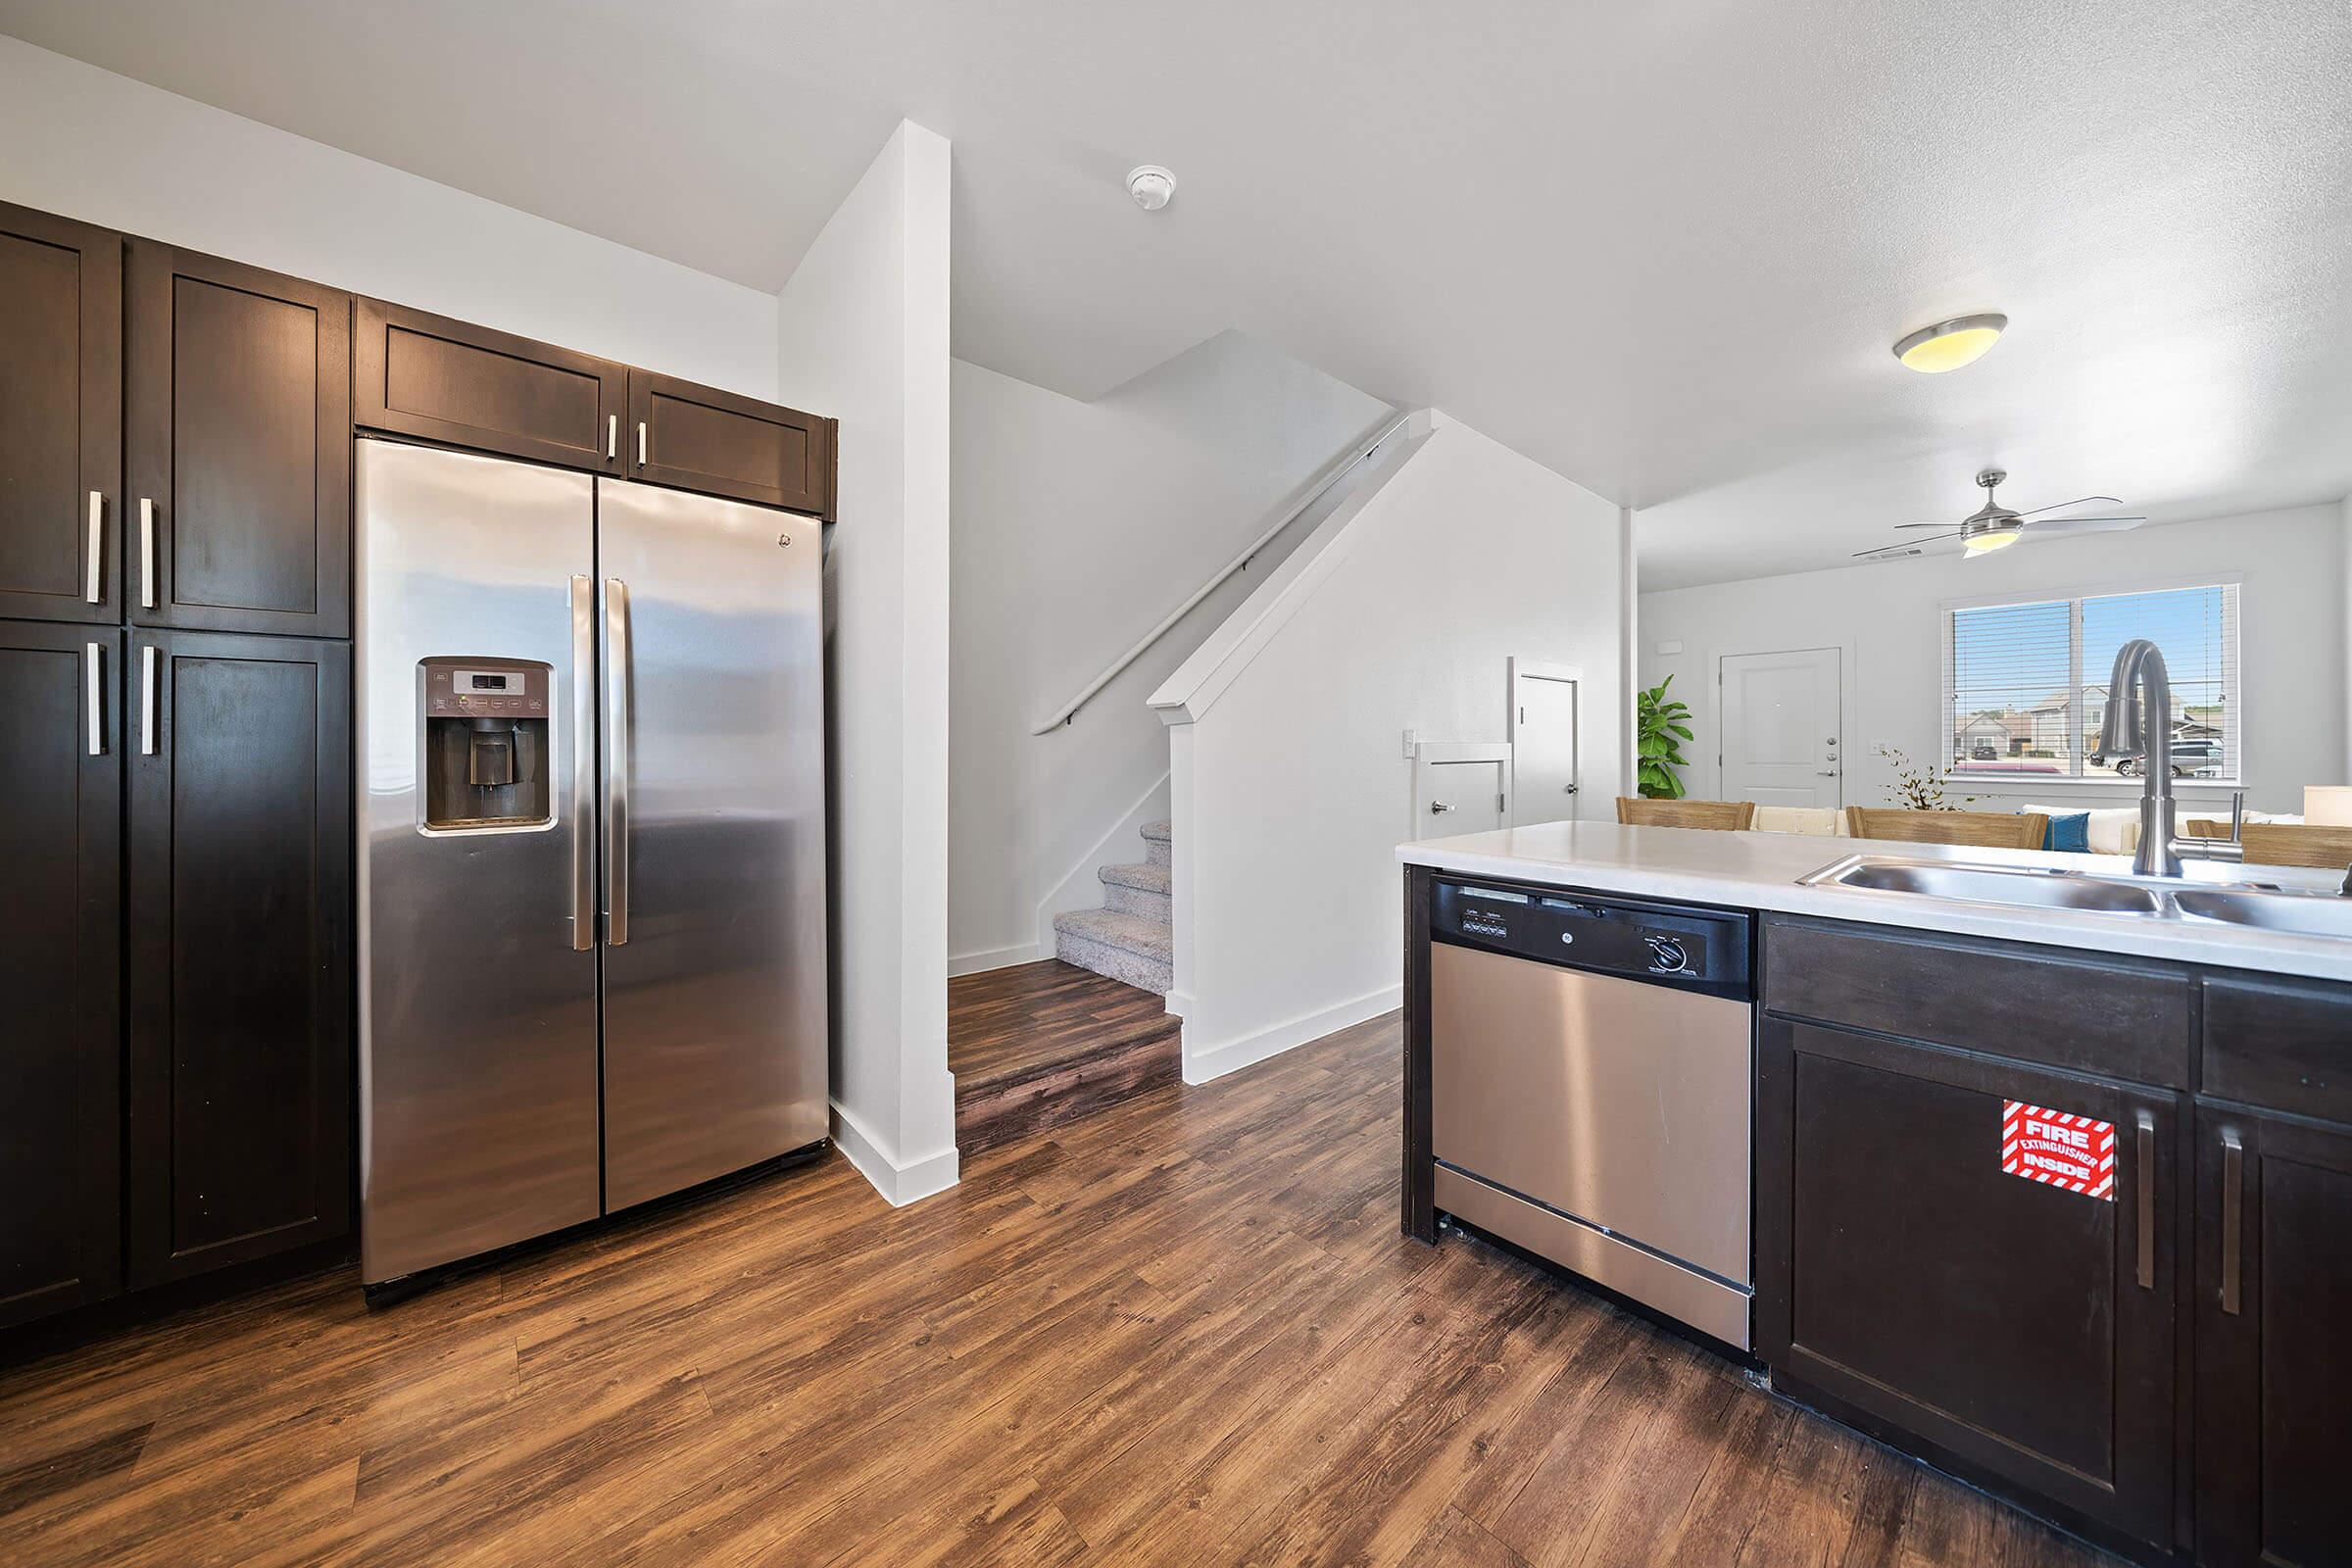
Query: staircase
(1132, 938)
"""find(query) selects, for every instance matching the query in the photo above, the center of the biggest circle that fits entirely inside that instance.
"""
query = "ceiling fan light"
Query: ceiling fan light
(1991, 539)
(1949, 345)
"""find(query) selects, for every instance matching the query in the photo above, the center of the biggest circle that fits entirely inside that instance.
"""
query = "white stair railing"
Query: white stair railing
(1339, 468)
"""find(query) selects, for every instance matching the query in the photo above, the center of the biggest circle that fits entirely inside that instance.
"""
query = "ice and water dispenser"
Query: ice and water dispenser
(485, 744)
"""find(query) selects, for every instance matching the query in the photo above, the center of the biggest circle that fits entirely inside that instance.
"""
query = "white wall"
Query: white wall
(1888, 620)
(863, 333)
(108, 150)
(1292, 788)
(1078, 526)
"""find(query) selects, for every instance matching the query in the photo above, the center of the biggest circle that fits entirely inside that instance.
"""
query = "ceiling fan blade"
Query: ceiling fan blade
(1904, 549)
(1923, 525)
(2059, 525)
(2078, 501)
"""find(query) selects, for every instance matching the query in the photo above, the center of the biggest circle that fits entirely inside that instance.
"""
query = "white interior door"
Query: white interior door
(1779, 728)
(1542, 742)
(1460, 787)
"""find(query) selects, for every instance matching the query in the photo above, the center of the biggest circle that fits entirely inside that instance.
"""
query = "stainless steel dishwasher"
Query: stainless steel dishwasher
(1591, 1082)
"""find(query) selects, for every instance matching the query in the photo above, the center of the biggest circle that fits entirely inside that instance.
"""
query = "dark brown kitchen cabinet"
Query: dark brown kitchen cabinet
(436, 379)
(2273, 1296)
(1905, 1280)
(699, 438)
(61, 419)
(237, 448)
(60, 967)
(240, 937)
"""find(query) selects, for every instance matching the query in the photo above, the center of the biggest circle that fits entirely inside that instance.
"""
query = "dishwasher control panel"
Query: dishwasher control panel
(1690, 949)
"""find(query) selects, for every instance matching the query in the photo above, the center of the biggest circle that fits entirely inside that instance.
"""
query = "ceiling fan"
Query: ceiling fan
(1993, 526)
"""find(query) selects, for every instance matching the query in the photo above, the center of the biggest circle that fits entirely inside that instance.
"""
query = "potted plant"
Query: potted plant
(1660, 722)
(1919, 788)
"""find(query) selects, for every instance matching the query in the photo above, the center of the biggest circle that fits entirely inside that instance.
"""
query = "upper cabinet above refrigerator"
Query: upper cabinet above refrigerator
(61, 415)
(699, 438)
(460, 386)
(237, 448)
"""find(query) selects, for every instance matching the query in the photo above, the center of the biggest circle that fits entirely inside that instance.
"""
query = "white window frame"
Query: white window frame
(2234, 669)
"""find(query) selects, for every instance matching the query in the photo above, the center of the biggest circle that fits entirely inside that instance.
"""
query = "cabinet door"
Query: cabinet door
(61, 417)
(240, 938)
(2022, 1327)
(441, 380)
(238, 444)
(60, 1113)
(699, 438)
(2274, 1293)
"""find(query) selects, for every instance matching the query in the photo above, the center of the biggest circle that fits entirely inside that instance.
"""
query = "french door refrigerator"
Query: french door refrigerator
(592, 847)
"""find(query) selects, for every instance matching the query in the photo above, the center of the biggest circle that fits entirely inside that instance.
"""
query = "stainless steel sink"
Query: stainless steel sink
(2309, 914)
(2263, 906)
(2031, 887)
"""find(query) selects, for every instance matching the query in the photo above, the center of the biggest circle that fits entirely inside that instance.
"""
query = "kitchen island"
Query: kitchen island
(2056, 1199)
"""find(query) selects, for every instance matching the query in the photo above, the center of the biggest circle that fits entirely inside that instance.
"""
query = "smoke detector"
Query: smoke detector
(1150, 185)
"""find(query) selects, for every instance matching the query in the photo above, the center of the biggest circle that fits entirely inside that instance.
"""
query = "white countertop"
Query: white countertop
(1763, 871)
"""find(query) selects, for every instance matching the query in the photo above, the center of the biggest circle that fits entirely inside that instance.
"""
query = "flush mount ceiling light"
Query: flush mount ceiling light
(1150, 185)
(1948, 345)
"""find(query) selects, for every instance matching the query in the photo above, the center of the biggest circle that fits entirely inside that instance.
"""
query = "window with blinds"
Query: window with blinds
(2024, 684)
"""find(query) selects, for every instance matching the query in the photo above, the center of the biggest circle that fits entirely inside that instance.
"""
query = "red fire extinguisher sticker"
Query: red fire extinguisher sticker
(2058, 1149)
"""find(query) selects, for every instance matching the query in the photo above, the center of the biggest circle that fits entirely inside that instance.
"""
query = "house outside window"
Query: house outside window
(2024, 690)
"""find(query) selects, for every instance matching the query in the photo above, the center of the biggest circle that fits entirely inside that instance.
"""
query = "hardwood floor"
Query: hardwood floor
(1038, 1045)
(1184, 1329)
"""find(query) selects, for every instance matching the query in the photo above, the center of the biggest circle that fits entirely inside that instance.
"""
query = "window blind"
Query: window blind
(2025, 683)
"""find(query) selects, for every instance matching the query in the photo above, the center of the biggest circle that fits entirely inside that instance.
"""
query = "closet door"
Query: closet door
(238, 447)
(61, 1108)
(61, 419)
(240, 948)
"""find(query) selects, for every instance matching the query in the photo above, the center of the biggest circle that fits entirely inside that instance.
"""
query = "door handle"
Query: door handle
(611, 435)
(583, 764)
(1568, 789)
(92, 580)
(2144, 1156)
(93, 679)
(1828, 772)
(1435, 807)
(147, 700)
(146, 553)
(2233, 1220)
(641, 443)
(617, 760)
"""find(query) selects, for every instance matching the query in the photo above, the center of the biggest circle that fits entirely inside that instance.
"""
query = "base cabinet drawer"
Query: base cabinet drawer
(2024, 1328)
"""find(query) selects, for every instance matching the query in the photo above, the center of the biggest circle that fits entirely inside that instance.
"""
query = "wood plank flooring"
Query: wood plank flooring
(1038, 1045)
(1184, 1329)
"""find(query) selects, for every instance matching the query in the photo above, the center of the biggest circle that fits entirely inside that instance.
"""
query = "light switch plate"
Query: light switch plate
(1412, 738)
(1670, 647)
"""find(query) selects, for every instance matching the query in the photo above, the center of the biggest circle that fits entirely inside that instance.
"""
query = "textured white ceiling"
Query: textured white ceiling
(1662, 248)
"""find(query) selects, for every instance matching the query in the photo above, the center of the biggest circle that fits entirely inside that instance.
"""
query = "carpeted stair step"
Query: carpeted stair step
(1128, 948)
(1139, 890)
(1156, 842)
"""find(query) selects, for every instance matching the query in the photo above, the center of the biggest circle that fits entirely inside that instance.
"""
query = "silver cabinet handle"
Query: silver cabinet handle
(92, 582)
(611, 435)
(617, 760)
(147, 701)
(583, 764)
(641, 443)
(2144, 1153)
(93, 668)
(2233, 1220)
(146, 553)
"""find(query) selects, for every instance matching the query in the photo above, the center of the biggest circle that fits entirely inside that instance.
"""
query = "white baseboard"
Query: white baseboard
(1180, 1003)
(989, 958)
(1231, 1056)
(899, 1185)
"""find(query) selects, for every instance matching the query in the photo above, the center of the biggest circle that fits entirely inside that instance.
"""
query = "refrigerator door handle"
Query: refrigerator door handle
(583, 763)
(617, 761)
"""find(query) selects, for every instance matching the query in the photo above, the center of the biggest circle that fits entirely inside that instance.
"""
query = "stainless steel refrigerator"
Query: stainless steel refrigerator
(591, 874)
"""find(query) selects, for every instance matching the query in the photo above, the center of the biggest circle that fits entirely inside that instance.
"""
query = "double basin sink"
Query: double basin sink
(2296, 911)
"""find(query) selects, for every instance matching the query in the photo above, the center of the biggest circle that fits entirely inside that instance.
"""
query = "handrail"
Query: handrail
(1339, 469)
